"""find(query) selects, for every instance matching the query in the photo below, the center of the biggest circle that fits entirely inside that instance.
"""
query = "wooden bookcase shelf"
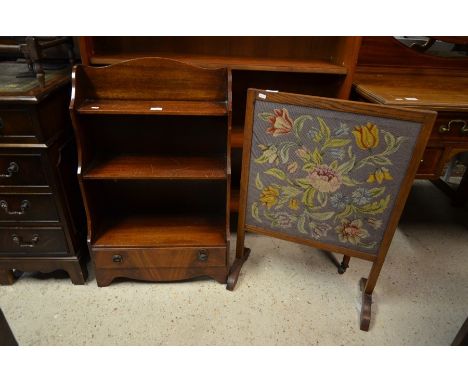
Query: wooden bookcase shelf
(236, 63)
(321, 66)
(147, 167)
(154, 170)
(154, 107)
(155, 231)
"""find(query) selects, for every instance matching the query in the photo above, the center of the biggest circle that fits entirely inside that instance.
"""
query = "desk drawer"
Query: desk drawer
(161, 258)
(27, 208)
(32, 241)
(16, 125)
(451, 126)
(430, 164)
(22, 170)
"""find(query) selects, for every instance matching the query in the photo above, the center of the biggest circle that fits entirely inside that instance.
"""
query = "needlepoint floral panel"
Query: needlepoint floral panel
(325, 175)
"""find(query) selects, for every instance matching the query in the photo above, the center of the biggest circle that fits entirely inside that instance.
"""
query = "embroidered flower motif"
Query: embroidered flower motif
(280, 123)
(284, 220)
(302, 153)
(379, 175)
(340, 201)
(342, 130)
(374, 223)
(367, 136)
(336, 153)
(292, 167)
(351, 231)
(318, 230)
(361, 196)
(269, 196)
(269, 152)
(294, 204)
(325, 179)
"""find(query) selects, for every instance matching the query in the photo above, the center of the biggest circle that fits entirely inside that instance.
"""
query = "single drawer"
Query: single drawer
(179, 257)
(430, 164)
(32, 241)
(450, 126)
(22, 170)
(16, 126)
(27, 208)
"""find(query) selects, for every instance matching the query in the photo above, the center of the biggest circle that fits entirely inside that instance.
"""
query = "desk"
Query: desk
(398, 76)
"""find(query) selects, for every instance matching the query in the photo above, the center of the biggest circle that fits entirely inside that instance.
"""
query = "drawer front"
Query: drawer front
(161, 258)
(16, 125)
(27, 208)
(22, 170)
(430, 164)
(451, 126)
(32, 241)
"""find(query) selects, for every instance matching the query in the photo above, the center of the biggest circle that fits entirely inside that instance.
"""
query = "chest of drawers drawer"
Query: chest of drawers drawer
(17, 126)
(161, 258)
(22, 170)
(27, 207)
(451, 126)
(32, 241)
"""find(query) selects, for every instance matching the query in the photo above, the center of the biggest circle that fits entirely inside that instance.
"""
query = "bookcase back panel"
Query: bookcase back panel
(171, 135)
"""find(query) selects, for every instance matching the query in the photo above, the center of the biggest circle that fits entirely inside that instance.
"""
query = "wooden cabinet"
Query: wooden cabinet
(153, 143)
(322, 66)
(41, 213)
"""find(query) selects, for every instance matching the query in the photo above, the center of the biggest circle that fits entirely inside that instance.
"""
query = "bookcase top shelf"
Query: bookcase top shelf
(156, 107)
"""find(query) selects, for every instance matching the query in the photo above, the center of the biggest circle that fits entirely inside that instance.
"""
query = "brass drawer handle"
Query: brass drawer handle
(444, 129)
(202, 255)
(117, 258)
(25, 204)
(12, 168)
(25, 244)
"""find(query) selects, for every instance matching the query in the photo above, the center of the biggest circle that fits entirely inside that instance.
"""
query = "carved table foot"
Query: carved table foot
(236, 267)
(365, 307)
(344, 265)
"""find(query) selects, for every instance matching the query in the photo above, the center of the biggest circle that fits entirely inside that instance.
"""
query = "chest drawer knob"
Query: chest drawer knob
(202, 255)
(117, 258)
(25, 204)
(12, 168)
(25, 244)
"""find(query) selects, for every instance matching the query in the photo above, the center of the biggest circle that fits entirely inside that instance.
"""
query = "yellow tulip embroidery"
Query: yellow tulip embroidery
(269, 196)
(293, 204)
(367, 136)
(379, 175)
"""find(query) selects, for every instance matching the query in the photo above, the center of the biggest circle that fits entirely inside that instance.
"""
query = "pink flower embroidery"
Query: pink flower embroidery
(351, 231)
(325, 179)
(281, 123)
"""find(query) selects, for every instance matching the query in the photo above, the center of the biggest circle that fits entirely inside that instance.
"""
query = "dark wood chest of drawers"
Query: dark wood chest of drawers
(41, 213)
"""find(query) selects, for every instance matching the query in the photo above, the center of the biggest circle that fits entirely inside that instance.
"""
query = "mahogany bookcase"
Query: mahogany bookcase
(153, 150)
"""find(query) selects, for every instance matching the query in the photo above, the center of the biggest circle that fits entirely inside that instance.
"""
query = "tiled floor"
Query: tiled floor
(287, 294)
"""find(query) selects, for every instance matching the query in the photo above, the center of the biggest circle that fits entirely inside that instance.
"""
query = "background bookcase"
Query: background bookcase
(153, 140)
(322, 66)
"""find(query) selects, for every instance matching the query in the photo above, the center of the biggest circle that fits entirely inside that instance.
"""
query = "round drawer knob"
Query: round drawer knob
(117, 258)
(202, 255)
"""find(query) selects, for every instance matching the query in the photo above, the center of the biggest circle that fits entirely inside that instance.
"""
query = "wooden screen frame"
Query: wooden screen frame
(425, 118)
